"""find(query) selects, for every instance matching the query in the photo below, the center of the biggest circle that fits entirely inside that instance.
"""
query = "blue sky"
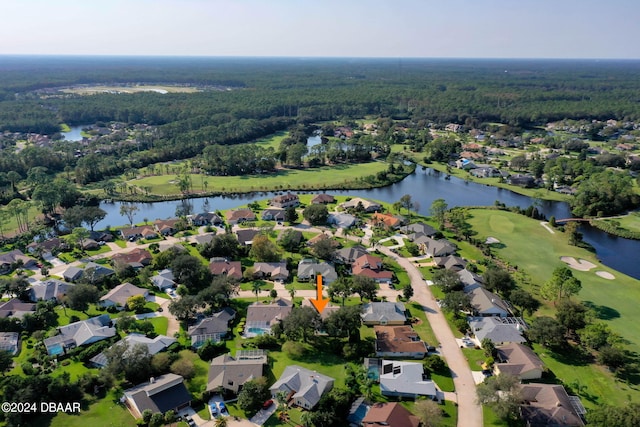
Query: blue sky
(335, 28)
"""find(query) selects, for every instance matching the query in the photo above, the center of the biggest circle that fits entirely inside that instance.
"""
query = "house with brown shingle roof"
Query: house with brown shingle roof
(142, 232)
(239, 216)
(518, 360)
(119, 295)
(218, 266)
(549, 405)
(231, 373)
(136, 258)
(271, 270)
(260, 317)
(371, 266)
(399, 341)
(323, 199)
(166, 227)
(391, 415)
(285, 201)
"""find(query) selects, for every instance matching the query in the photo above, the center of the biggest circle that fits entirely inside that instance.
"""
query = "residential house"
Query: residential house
(246, 235)
(161, 394)
(550, 405)
(231, 373)
(176, 247)
(405, 379)
(341, 220)
(90, 245)
(137, 258)
(371, 266)
(435, 248)
(101, 236)
(72, 274)
(141, 232)
(273, 214)
(453, 127)
(80, 333)
(359, 203)
(450, 262)
(213, 328)
(238, 216)
(350, 254)
(47, 247)
(309, 269)
(10, 341)
(303, 386)
(10, 260)
(202, 239)
(486, 303)
(118, 296)
(285, 201)
(518, 360)
(153, 345)
(205, 218)
(164, 279)
(49, 290)
(328, 309)
(419, 228)
(317, 238)
(260, 317)
(322, 199)
(218, 266)
(16, 308)
(276, 271)
(166, 227)
(500, 330)
(94, 272)
(469, 279)
(387, 221)
(384, 313)
(526, 181)
(464, 163)
(486, 172)
(399, 341)
(390, 414)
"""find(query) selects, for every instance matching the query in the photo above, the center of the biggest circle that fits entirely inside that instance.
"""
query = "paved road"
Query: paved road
(469, 412)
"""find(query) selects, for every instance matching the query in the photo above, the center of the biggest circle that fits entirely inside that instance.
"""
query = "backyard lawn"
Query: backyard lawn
(105, 412)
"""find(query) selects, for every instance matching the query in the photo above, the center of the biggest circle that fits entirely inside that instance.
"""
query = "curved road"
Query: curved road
(469, 412)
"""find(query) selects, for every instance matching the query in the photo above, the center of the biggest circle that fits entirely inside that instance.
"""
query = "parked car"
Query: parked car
(222, 407)
(267, 404)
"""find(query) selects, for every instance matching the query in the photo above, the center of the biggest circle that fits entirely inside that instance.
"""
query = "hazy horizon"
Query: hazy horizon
(420, 29)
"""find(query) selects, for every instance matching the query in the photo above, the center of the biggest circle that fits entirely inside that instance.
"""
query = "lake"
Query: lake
(424, 186)
(75, 134)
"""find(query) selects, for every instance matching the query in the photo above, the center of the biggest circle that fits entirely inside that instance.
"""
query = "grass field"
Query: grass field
(525, 243)
(322, 177)
(105, 412)
(628, 222)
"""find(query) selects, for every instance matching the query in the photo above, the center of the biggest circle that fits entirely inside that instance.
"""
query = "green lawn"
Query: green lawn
(160, 324)
(105, 412)
(528, 245)
(322, 177)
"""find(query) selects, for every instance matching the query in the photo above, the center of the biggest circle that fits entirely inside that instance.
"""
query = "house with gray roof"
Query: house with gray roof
(260, 317)
(205, 218)
(486, 303)
(435, 248)
(160, 394)
(303, 386)
(451, 262)
(419, 228)
(246, 235)
(153, 345)
(213, 328)
(164, 279)
(276, 271)
(273, 214)
(405, 379)
(308, 270)
(342, 220)
(500, 330)
(10, 259)
(118, 296)
(72, 274)
(350, 255)
(16, 308)
(96, 272)
(49, 290)
(80, 333)
(231, 373)
(469, 279)
(384, 313)
(367, 205)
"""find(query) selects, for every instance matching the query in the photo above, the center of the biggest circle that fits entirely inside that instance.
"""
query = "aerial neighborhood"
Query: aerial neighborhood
(200, 242)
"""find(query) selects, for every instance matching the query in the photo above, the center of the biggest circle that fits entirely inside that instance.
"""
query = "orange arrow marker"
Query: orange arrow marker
(319, 303)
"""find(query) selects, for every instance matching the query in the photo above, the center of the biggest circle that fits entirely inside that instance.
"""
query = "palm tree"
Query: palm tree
(255, 287)
(221, 422)
(292, 292)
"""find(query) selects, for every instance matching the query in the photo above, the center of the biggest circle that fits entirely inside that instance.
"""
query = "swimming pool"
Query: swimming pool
(55, 349)
(257, 331)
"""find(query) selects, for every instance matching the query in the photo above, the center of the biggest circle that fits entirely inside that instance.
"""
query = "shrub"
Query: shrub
(294, 349)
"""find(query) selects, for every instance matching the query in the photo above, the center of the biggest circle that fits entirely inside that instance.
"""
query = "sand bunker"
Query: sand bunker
(605, 275)
(580, 265)
(491, 240)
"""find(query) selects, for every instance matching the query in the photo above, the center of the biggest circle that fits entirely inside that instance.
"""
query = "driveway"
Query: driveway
(263, 415)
